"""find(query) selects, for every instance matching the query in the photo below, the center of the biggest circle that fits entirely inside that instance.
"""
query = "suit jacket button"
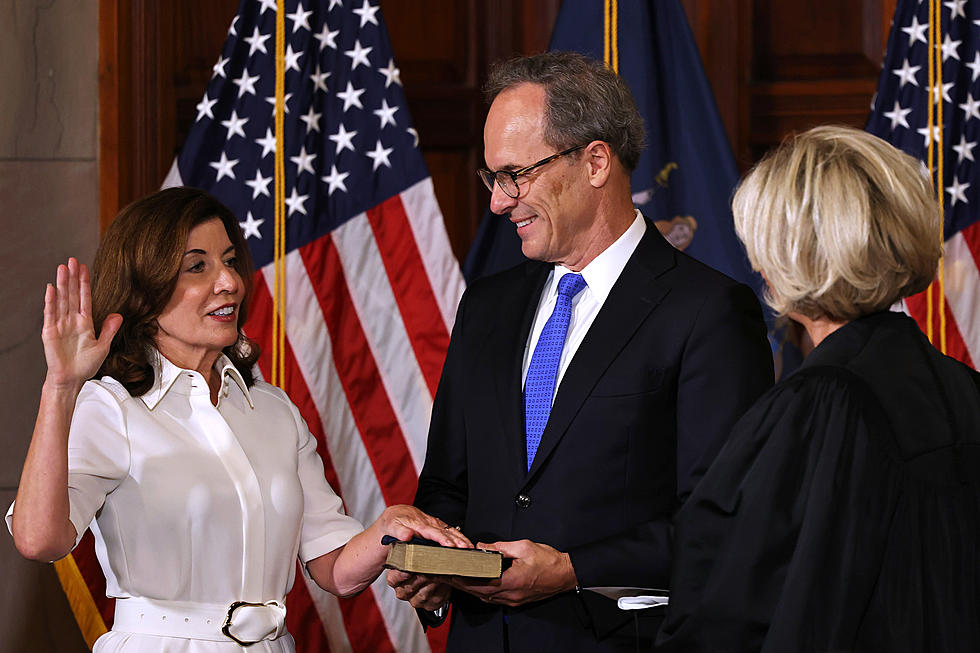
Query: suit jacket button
(522, 501)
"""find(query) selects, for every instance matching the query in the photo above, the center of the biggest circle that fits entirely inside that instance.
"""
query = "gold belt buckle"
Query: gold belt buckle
(226, 627)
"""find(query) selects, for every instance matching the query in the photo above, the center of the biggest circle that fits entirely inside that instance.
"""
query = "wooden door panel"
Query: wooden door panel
(814, 62)
(200, 31)
(830, 39)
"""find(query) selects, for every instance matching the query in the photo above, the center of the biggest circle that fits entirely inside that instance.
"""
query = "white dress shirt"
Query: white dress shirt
(195, 502)
(600, 275)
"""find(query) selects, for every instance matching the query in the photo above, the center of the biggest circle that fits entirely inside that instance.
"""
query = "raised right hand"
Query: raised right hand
(71, 349)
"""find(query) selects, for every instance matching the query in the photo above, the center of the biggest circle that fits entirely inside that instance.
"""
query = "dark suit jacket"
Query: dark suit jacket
(674, 357)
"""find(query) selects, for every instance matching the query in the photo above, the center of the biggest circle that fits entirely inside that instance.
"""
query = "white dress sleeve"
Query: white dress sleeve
(325, 524)
(98, 455)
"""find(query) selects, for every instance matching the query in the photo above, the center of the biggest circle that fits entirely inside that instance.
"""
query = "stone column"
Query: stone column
(48, 211)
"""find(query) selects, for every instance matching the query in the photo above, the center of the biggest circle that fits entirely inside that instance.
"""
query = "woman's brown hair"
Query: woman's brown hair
(135, 273)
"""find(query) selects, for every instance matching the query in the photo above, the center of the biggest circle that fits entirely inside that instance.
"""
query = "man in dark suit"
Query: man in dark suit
(584, 392)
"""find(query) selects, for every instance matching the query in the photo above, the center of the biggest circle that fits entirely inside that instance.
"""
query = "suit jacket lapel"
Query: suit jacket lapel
(634, 295)
(516, 318)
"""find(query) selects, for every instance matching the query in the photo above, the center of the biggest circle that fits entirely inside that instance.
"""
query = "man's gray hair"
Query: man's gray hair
(584, 101)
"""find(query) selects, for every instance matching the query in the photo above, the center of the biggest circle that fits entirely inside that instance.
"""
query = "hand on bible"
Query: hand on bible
(405, 522)
(421, 590)
(537, 571)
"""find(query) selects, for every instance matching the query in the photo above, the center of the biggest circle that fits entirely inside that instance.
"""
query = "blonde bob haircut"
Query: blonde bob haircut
(840, 223)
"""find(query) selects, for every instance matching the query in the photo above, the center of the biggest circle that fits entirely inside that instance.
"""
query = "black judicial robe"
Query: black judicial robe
(844, 512)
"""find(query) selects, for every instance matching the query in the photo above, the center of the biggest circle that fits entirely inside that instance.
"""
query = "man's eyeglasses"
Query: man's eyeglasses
(507, 179)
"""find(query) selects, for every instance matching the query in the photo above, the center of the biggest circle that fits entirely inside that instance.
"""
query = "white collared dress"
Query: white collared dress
(198, 503)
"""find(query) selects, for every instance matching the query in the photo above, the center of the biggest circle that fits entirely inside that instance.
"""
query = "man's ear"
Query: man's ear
(599, 159)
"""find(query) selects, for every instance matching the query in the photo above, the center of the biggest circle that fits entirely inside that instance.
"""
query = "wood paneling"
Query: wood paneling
(197, 42)
(111, 76)
(136, 117)
(812, 63)
(155, 60)
(837, 39)
(723, 32)
(776, 67)
(787, 106)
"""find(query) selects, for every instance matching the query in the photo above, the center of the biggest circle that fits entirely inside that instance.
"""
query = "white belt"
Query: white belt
(241, 622)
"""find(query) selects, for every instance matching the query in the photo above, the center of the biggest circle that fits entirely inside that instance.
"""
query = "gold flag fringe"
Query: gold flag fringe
(80, 599)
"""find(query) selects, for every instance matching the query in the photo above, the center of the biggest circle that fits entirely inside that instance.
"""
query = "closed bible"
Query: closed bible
(434, 559)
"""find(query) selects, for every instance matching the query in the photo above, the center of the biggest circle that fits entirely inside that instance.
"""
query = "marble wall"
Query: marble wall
(48, 211)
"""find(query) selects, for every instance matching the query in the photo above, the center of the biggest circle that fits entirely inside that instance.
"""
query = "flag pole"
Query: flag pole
(279, 246)
(936, 293)
(80, 600)
(941, 302)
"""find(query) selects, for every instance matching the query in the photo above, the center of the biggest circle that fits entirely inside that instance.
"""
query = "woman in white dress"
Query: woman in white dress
(204, 485)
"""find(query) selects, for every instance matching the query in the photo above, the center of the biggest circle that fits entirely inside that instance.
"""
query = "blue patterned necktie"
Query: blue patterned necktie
(539, 388)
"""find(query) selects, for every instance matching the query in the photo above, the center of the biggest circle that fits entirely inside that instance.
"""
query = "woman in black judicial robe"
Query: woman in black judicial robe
(844, 512)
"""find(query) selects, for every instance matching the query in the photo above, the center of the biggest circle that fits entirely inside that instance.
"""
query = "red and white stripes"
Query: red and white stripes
(962, 290)
(368, 312)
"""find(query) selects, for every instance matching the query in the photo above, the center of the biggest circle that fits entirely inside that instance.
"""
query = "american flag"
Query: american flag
(371, 283)
(899, 115)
